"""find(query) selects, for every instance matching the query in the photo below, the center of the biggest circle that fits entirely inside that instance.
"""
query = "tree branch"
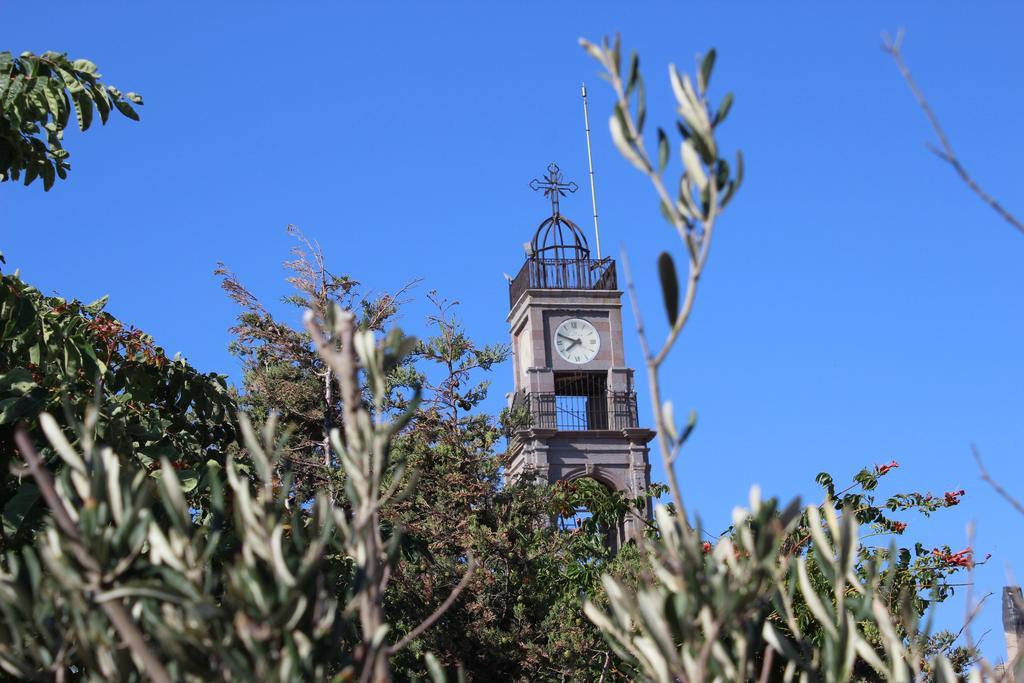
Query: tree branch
(987, 478)
(893, 46)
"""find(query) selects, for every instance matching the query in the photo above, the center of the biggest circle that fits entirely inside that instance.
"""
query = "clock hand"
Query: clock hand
(574, 341)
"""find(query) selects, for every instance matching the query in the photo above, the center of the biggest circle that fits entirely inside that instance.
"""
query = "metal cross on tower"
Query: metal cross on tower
(553, 186)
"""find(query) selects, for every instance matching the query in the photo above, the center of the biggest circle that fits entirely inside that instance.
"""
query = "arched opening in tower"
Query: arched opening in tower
(591, 511)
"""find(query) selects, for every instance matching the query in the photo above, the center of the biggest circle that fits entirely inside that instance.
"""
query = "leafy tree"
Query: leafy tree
(281, 371)
(519, 617)
(60, 356)
(37, 96)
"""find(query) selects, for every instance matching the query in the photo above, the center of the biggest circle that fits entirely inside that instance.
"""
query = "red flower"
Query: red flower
(953, 497)
(899, 527)
(882, 469)
(706, 547)
(962, 558)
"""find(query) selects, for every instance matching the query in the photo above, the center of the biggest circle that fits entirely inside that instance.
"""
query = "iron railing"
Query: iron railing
(584, 273)
(614, 410)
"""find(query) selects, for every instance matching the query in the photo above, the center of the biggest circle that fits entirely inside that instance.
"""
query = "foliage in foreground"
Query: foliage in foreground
(243, 592)
(790, 594)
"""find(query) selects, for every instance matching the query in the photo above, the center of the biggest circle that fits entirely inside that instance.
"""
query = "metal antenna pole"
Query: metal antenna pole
(590, 161)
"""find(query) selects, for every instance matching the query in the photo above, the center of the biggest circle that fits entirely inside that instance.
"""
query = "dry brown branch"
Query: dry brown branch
(604, 669)
(114, 610)
(987, 478)
(893, 47)
(972, 613)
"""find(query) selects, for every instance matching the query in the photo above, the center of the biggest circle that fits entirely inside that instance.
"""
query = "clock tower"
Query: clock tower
(570, 369)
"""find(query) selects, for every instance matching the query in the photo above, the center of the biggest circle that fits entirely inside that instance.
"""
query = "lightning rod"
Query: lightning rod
(590, 162)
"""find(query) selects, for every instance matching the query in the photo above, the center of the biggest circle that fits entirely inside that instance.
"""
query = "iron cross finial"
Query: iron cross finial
(553, 186)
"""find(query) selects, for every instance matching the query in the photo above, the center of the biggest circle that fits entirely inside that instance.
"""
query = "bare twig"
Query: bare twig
(667, 454)
(987, 478)
(893, 47)
(439, 612)
(607, 663)
(970, 608)
(114, 610)
(971, 616)
(766, 666)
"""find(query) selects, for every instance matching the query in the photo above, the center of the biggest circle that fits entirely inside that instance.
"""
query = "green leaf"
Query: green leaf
(173, 497)
(17, 380)
(20, 507)
(691, 424)
(434, 667)
(49, 175)
(735, 183)
(31, 172)
(668, 420)
(634, 73)
(668, 213)
(51, 99)
(618, 130)
(18, 408)
(814, 603)
(771, 634)
(102, 102)
(126, 109)
(593, 50)
(663, 150)
(96, 306)
(63, 103)
(14, 91)
(723, 109)
(669, 286)
(189, 481)
(691, 161)
(705, 147)
(641, 104)
(83, 109)
(721, 173)
(86, 66)
(706, 66)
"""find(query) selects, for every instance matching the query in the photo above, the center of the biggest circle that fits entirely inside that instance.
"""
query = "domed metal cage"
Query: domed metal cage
(559, 238)
(558, 256)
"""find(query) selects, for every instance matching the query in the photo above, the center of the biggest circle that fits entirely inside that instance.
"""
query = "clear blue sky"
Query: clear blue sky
(860, 305)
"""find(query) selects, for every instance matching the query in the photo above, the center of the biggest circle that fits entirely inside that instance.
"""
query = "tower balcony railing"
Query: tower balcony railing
(613, 410)
(553, 273)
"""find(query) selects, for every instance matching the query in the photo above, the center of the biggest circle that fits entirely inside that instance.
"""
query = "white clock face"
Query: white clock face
(577, 341)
